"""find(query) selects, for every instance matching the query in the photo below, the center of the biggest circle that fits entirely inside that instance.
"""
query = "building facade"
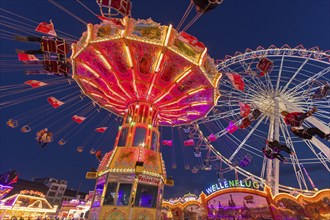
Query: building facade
(56, 189)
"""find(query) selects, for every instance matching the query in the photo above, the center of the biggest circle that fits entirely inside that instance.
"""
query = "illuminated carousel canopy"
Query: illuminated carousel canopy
(119, 62)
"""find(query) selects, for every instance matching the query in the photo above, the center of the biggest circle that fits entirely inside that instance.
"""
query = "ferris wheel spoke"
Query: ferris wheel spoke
(324, 159)
(279, 76)
(245, 139)
(294, 158)
(294, 75)
(307, 81)
(218, 116)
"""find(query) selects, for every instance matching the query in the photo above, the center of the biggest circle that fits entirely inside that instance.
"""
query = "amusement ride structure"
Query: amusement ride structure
(150, 75)
(153, 75)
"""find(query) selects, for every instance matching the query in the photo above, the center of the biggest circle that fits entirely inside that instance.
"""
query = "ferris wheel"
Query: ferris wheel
(268, 82)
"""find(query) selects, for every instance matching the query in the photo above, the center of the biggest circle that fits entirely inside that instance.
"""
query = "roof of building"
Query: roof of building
(22, 184)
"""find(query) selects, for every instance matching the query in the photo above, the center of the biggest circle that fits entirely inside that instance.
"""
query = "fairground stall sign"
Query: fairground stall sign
(232, 183)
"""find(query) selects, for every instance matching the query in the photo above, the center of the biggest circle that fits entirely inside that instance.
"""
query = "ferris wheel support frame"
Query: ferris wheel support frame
(294, 158)
(246, 138)
(276, 165)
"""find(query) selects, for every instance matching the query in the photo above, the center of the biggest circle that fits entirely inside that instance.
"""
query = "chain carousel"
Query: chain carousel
(151, 75)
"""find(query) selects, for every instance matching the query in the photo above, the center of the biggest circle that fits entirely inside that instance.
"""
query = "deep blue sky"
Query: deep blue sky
(233, 26)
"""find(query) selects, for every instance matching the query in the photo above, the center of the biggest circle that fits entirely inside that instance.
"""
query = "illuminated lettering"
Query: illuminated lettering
(256, 185)
(246, 183)
(232, 183)
(209, 190)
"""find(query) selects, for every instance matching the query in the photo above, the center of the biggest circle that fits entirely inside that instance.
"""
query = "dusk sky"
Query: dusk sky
(233, 26)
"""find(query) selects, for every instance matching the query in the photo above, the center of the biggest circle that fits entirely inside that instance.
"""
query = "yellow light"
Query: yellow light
(175, 101)
(107, 64)
(199, 103)
(89, 33)
(172, 110)
(122, 32)
(129, 57)
(151, 86)
(201, 58)
(96, 95)
(195, 91)
(90, 70)
(159, 61)
(183, 75)
(90, 83)
(193, 113)
(105, 93)
(103, 59)
(165, 94)
(218, 79)
(168, 35)
(117, 109)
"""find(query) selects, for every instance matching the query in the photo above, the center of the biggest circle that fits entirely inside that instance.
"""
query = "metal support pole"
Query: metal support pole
(276, 164)
(269, 169)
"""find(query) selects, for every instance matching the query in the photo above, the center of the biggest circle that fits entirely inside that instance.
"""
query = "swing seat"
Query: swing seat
(245, 161)
(92, 151)
(197, 152)
(194, 169)
(207, 164)
(61, 142)
(121, 6)
(80, 149)
(245, 123)
(12, 123)
(186, 130)
(25, 129)
(265, 66)
(256, 113)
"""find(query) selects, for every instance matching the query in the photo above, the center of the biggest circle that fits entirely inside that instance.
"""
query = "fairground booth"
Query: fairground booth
(27, 204)
(238, 199)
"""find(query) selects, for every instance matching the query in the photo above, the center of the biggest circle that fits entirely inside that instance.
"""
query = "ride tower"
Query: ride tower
(152, 76)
